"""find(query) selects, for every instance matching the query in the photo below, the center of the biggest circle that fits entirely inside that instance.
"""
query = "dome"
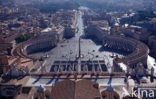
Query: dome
(110, 88)
(40, 89)
(143, 78)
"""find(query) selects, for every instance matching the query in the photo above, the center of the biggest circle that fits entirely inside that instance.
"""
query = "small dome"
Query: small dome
(143, 78)
(40, 89)
(110, 88)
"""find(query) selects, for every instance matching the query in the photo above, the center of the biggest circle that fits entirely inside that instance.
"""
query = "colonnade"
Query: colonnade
(138, 52)
(41, 44)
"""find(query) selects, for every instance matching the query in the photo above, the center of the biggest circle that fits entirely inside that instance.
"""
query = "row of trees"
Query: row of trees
(22, 38)
(140, 17)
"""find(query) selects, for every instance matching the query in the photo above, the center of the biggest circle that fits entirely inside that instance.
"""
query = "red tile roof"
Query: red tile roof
(68, 89)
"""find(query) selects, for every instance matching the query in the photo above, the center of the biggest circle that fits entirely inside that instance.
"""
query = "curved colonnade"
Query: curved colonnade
(40, 45)
(138, 50)
(37, 44)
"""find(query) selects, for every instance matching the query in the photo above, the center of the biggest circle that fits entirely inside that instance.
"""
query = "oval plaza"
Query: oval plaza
(71, 62)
